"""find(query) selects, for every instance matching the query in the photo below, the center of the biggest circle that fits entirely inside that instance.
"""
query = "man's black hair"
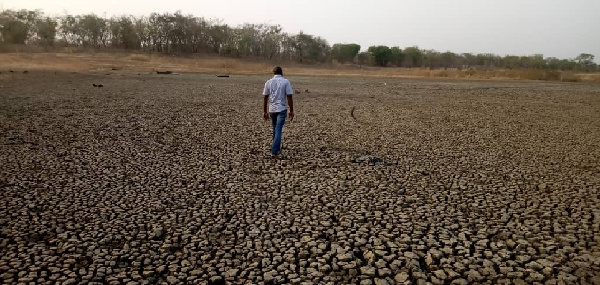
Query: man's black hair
(277, 70)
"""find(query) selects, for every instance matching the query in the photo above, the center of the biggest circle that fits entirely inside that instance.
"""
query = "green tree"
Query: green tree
(431, 59)
(413, 57)
(381, 55)
(142, 29)
(14, 32)
(585, 61)
(525, 62)
(68, 30)
(449, 60)
(46, 31)
(397, 56)
(344, 52)
(123, 35)
(553, 63)
(16, 27)
(470, 59)
(510, 62)
(271, 40)
(308, 48)
(537, 61)
(363, 58)
(487, 60)
(93, 30)
(568, 64)
(217, 36)
(180, 32)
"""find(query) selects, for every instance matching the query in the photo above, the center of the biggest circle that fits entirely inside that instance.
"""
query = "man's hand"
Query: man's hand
(290, 101)
(265, 114)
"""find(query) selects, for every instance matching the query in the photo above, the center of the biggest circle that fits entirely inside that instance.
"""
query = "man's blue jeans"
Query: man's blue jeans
(277, 120)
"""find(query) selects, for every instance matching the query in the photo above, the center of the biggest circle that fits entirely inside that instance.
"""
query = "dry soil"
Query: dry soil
(166, 178)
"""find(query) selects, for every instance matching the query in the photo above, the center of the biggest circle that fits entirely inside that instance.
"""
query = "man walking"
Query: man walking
(277, 96)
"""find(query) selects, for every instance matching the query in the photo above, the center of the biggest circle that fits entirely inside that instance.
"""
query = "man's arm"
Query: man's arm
(290, 101)
(265, 113)
(289, 91)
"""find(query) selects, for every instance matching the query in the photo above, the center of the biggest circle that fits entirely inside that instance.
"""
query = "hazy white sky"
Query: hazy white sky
(558, 28)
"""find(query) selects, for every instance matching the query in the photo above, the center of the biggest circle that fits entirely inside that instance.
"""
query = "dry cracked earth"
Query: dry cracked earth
(164, 179)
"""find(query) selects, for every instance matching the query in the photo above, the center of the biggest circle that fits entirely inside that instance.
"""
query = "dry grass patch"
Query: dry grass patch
(135, 62)
(77, 60)
(139, 57)
(588, 77)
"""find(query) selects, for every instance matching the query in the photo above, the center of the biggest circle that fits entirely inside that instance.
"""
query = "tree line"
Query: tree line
(179, 33)
(415, 57)
(163, 33)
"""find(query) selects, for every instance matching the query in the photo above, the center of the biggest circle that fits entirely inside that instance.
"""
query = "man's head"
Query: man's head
(277, 70)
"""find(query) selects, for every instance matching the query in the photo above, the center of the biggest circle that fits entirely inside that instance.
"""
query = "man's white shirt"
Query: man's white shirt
(277, 88)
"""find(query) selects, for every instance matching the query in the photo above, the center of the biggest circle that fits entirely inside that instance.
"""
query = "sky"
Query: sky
(554, 28)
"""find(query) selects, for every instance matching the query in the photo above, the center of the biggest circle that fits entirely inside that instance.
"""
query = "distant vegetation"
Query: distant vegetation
(178, 33)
